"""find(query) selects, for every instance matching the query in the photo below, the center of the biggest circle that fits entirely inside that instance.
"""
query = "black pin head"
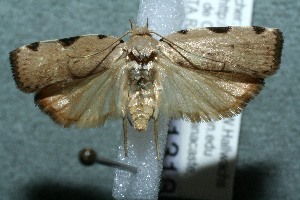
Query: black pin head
(87, 156)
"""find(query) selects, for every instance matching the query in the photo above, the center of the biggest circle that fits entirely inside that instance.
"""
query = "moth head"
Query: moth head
(139, 30)
(141, 46)
(142, 49)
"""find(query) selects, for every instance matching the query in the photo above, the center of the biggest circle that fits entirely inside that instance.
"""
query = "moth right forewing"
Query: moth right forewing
(44, 63)
(252, 50)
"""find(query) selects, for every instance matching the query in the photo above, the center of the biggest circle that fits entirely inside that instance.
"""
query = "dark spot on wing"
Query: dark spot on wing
(13, 57)
(219, 29)
(121, 41)
(180, 63)
(102, 36)
(182, 31)
(279, 46)
(33, 46)
(68, 41)
(258, 30)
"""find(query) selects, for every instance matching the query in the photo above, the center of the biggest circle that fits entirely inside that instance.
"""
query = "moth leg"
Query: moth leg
(125, 136)
(156, 138)
(129, 120)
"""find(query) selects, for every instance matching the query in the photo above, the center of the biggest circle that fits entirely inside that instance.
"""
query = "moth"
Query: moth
(199, 75)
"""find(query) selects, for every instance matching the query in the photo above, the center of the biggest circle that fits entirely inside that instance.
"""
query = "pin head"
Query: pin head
(87, 156)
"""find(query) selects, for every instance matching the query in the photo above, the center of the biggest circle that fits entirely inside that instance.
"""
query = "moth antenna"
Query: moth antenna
(117, 40)
(156, 138)
(172, 44)
(131, 24)
(125, 136)
(162, 37)
(147, 23)
(129, 120)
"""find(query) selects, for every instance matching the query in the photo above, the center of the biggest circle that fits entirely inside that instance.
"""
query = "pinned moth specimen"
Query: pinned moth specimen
(199, 75)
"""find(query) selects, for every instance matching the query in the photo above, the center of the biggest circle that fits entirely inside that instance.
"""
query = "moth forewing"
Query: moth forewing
(252, 50)
(43, 63)
(200, 75)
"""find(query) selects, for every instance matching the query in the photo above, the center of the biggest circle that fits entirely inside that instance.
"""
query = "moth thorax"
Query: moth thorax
(140, 79)
(141, 110)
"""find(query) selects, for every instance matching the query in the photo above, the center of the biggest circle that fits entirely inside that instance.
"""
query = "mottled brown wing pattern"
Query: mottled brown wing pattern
(43, 63)
(255, 51)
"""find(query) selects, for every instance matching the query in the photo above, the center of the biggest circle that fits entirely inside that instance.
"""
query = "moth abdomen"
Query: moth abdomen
(141, 109)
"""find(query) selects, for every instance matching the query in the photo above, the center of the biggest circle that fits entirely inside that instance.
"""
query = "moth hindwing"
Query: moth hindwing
(200, 75)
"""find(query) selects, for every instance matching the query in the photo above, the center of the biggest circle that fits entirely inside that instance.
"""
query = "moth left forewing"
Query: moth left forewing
(43, 63)
(255, 51)
(199, 95)
(86, 102)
